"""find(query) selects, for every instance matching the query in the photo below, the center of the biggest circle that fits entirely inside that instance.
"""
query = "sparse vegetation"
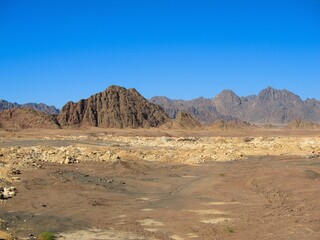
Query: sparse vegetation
(221, 174)
(46, 236)
(229, 230)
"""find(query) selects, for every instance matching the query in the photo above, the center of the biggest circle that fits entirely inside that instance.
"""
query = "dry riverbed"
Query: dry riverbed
(105, 186)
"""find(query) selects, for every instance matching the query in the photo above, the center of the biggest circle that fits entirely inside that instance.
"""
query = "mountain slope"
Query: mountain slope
(22, 118)
(116, 107)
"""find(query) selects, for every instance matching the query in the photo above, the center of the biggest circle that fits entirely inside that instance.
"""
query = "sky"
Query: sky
(55, 51)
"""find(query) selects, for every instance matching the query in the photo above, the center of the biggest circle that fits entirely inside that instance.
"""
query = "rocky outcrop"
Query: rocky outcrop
(116, 107)
(302, 124)
(22, 118)
(183, 120)
(5, 105)
(229, 125)
(186, 121)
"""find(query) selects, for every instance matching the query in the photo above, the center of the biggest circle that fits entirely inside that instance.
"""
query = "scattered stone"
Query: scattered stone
(69, 160)
(7, 192)
(247, 139)
(166, 139)
(15, 171)
(313, 155)
(15, 179)
(187, 139)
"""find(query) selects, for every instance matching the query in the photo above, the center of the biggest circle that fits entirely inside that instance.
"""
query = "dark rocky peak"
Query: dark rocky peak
(116, 107)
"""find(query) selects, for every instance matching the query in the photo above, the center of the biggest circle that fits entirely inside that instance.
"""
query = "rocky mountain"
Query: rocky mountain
(200, 108)
(22, 118)
(4, 105)
(269, 106)
(116, 107)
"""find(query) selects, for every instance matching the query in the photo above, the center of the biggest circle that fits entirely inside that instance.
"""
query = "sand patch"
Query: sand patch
(221, 203)
(209, 212)
(150, 222)
(97, 234)
(147, 210)
(215, 220)
(176, 237)
(153, 230)
(192, 235)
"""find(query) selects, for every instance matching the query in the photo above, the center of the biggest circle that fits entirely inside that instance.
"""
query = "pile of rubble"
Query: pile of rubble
(187, 150)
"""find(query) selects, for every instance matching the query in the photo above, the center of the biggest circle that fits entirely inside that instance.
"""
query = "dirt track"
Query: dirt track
(255, 197)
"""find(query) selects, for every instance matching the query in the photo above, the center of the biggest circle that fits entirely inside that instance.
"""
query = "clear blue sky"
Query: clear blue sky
(53, 51)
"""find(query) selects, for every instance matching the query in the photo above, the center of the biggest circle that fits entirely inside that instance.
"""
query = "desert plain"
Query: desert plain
(160, 184)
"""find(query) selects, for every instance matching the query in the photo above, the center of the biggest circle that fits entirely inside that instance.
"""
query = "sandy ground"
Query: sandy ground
(161, 185)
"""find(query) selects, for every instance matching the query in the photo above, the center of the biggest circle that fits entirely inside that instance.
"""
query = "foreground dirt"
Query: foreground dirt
(104, 186)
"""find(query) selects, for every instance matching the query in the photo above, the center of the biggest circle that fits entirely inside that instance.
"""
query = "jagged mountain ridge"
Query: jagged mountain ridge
(200, 108)
(5, 105)
(116, 107)
(269, 106)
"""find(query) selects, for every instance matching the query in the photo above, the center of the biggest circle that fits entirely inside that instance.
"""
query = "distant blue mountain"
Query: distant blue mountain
(4, 105)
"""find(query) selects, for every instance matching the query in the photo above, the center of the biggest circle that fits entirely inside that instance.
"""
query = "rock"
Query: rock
(69, 160)
(6, 236)
(187, 139)
(247, 139)
(15, 179)
(313, 155)
(15, 171)
(116, 107)
(7, 192)
(166, 139)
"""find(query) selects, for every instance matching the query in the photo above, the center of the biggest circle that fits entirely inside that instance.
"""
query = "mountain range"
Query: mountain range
(118, 107)
(270, 106)
(5, 105)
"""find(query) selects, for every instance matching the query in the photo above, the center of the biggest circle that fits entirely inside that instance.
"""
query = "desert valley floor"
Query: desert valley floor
(159, 184)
